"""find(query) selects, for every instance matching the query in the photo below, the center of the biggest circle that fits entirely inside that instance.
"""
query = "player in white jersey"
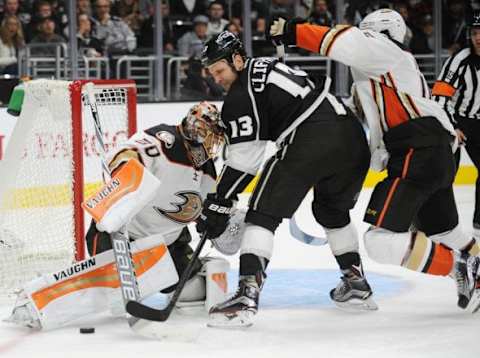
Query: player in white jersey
(177, 162)
(411, 136)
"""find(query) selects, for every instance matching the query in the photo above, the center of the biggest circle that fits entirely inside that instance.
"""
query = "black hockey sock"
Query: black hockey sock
(345, 261)
(251, 264)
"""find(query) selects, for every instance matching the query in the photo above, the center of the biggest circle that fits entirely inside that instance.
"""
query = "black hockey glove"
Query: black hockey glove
(282, 30)
(215, 216)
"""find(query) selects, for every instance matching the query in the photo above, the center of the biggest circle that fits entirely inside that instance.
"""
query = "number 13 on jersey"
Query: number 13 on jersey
(242, 127)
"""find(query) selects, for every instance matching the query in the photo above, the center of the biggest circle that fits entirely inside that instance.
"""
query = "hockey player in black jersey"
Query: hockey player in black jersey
(320, 144)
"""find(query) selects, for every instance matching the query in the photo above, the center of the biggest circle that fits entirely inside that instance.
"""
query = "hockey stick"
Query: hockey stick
(295, 231)
(280, 47)
(120, 242)
(139, 310)
(302, 236)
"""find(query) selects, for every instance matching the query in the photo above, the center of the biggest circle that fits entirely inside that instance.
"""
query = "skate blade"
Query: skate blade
(357, 305)
(242, 319)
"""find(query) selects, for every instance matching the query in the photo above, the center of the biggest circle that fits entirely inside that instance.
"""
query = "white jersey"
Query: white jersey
(162, 151)
(388, 83)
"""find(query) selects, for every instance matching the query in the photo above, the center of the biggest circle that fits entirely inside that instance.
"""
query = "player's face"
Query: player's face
(475, 33)
(223, 74)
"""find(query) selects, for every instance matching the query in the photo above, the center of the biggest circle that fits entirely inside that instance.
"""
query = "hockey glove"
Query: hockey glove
(283, 31)
(215, 216)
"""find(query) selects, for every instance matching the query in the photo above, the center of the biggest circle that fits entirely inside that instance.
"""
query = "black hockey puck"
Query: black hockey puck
(87, 330)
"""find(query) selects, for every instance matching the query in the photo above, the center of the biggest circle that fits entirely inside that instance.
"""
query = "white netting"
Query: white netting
(36, 186)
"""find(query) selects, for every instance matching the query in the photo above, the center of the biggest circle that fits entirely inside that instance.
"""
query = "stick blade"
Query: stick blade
(139, 310)
(301, 236)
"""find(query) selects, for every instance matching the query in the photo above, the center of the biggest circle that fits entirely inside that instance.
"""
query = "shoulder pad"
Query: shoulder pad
(164, 133)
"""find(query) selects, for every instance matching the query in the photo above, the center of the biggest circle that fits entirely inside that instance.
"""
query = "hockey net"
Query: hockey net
(51, 162)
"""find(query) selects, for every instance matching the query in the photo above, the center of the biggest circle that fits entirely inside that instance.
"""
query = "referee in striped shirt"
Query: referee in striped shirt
(458, 90)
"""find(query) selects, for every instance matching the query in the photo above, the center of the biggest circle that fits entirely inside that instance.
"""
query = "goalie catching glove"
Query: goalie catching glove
(213, 220)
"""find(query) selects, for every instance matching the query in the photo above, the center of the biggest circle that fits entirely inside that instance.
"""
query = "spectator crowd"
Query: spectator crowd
(118, 27)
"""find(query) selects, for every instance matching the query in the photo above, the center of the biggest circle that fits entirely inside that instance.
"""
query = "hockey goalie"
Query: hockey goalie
(160, 177)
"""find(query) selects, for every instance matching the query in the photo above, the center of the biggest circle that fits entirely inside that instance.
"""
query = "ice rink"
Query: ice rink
(418, 316)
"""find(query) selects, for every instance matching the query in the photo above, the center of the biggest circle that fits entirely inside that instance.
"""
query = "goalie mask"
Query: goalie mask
(203, 132)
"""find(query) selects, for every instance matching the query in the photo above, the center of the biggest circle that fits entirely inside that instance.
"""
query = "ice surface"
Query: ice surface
(418, 316)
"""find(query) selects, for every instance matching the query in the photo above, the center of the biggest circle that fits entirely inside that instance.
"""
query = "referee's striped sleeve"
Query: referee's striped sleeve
(447, 83)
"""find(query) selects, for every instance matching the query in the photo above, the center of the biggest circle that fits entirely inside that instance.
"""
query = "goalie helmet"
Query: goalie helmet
(203, 132)
(386, 21)
(222, 47)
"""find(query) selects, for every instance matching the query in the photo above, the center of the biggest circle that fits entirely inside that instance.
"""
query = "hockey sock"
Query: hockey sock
(428, 257)
(345, 261)
(251, 264)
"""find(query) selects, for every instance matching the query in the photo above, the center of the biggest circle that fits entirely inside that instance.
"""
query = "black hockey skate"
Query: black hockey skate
(467, 279)
(353, 293)
(238, 311)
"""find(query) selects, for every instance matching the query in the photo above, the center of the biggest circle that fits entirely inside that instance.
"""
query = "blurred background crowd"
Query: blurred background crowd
(112, 28)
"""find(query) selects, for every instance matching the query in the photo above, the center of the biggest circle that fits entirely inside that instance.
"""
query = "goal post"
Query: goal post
(51, 162)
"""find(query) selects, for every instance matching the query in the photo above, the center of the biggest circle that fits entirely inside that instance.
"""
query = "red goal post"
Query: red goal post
(76, 100)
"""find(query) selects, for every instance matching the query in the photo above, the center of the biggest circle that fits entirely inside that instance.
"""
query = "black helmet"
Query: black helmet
(222, 46)
(474, 19)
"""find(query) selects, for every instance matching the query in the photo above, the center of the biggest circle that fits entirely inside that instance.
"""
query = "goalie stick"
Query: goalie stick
(139, 310)
(120, 242)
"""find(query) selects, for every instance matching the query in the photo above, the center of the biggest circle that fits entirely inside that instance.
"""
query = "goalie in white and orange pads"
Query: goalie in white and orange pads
(160, 179)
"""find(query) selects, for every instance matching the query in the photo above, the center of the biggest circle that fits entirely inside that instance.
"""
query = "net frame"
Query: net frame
(81, 148)
(77, 146)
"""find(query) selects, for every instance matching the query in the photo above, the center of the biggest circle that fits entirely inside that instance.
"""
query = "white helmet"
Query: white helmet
(386, 21)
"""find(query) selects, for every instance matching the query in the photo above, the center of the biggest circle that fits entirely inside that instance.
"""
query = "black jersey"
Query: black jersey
(267, 102)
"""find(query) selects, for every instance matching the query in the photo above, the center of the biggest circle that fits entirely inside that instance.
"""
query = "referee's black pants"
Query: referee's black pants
(471, 129)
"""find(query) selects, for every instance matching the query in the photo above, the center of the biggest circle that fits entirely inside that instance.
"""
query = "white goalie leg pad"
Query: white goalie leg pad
(216, 270)
(258, 241)
(455, 239)
(159, 276)
(208, 287)
(387, 247)
(342, 240)
(92, 285)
